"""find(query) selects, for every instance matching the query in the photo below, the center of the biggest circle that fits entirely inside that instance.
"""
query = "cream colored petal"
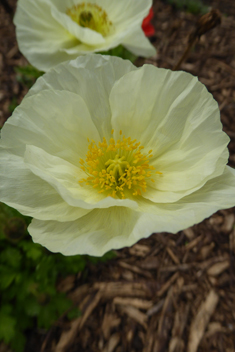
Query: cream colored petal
(83, 49)
(40, 37)
(107, 69)
(125, 13)
(102, 69)
(92, 77)
(63, 5)
(47, 36)
(182, 174)
(64, 178)
(172, 114)
(22, 190)
(218, 193)
(122, 11)
(170, 195)
(56, 121)
(98, 232)
(132, 38)
(160, 101)
(102, 230)
(85, 35)
(137, 43)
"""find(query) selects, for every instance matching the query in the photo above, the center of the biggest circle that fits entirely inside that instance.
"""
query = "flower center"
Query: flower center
(118, 169)
(91, 16)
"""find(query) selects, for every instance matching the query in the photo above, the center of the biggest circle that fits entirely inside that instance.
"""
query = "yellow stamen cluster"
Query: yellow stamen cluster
(119, 169)
(91, 16)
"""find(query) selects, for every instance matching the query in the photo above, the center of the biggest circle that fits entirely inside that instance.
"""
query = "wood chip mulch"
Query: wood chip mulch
(172, 293)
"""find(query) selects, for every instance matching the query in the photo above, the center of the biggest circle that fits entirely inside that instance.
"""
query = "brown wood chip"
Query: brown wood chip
(201, 320)
(135, 302)
(112, 343)
(218, 268)
(168, 283)
(135, 314)
(113, 289)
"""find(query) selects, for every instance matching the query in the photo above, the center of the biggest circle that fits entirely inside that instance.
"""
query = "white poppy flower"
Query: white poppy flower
(101, 154)
(52, 31)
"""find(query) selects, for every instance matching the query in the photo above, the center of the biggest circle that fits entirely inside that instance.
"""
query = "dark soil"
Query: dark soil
(171, 293)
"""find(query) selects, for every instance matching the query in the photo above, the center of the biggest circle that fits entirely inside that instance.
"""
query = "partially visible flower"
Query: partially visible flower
(50, 32)
(147, 26)
(101, 154)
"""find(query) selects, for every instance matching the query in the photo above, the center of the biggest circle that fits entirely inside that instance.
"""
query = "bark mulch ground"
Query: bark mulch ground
(169, 292)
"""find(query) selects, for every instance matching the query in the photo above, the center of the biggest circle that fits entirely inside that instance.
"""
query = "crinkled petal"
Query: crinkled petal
(218, 193)
(125, 12)
(94, 234)
(102, 230)
(22, 190)
(172, 114)
(105, 70)
(61, 130)
(127, 15)
(138, 43)
(40, 37)
(169, 196)
(92, 78)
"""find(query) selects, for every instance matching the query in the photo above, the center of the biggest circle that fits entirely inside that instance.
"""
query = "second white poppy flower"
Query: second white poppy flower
(52, 31)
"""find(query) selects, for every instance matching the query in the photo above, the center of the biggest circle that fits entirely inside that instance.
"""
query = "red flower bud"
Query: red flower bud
(147, 27)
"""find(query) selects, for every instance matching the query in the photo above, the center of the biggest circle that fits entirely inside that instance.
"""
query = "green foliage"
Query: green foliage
(28, 275)
(13, 104)
(27, 75)
(7, 323)
(73, 313)
(193, 6)
(122, 52)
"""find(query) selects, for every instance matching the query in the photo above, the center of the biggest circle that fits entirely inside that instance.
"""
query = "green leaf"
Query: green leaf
(71, 264)
(2, 235)
(11, 256)
(74, 313)
(26, 286)
(28, 71)
(32, 250)
(18, 343)
(31, 306)
(7, 327)
(27, 75)
(192, 6)
(7, 276)
(61, 303)
(50, 312)
(47, 316)
(6, 309)
(9, 212)
(122, 52)
(13, 104)
(107, 256)
(34, 253)
(24, 321)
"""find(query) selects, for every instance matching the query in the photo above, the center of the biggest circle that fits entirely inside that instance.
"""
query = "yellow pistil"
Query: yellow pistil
(118, 169)
(91, 16)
